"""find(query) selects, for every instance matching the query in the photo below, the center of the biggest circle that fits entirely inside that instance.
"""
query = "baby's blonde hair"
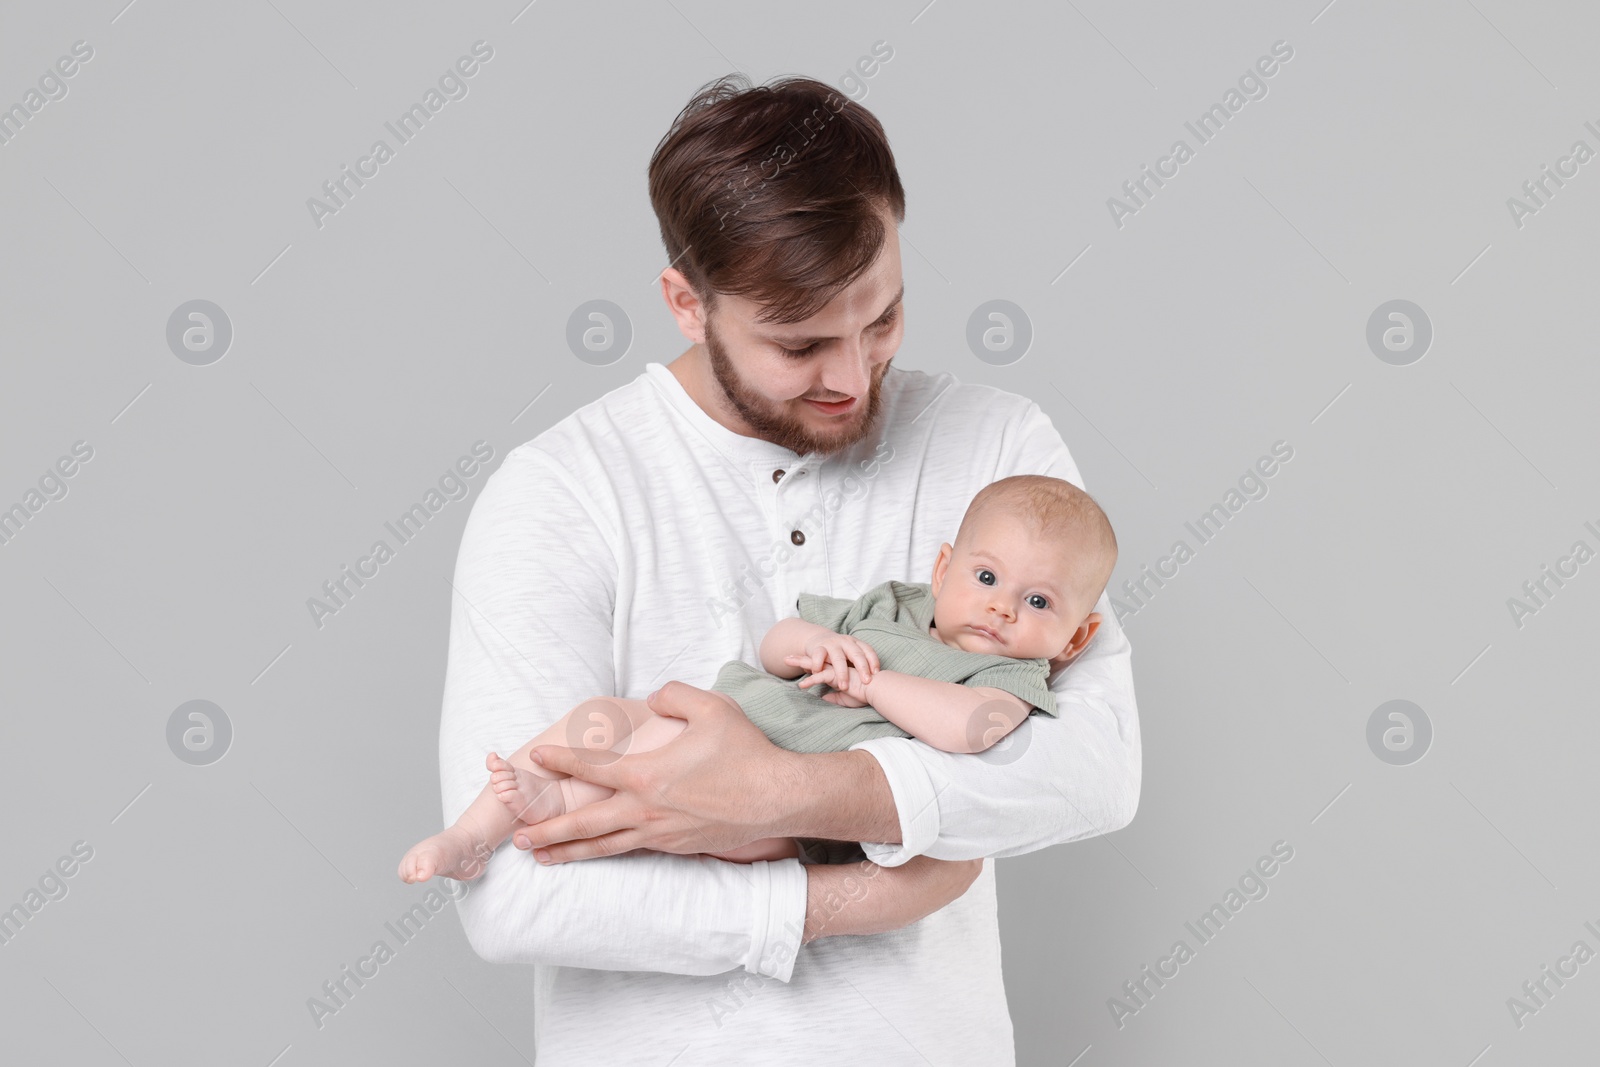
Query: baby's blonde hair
(1058, 510)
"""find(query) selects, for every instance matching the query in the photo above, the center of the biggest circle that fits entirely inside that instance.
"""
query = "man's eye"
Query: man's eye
(1038, 601)
(986, 577)
(798, 353)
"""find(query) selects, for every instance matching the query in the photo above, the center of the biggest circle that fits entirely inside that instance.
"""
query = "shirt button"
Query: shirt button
(797, 537)
(777, 474)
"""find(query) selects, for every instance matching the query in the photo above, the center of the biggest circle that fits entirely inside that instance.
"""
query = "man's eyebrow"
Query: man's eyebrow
(802, 342)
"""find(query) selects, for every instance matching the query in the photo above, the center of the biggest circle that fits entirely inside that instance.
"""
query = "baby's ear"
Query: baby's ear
(1078, 642)
(940, 563)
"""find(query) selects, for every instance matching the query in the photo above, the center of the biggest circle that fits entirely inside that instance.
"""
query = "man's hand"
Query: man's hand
(864, 898)
(716, 786)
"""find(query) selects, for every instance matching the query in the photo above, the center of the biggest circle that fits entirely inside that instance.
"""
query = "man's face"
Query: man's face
(779, 378)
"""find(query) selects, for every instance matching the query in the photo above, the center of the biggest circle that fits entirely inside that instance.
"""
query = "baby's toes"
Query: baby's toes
(416, 867)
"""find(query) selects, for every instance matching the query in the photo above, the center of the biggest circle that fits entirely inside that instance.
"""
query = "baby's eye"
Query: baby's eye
(1038, 601)
(986, 577)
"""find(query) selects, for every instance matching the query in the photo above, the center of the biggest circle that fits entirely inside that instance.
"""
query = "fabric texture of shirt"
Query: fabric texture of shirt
(638, 541)
(893, 618)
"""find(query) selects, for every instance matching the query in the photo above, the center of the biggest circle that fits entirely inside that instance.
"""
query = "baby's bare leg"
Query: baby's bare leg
(621, 726)
(601, 724)
(532, 794)
(462, 850)
(520, 790)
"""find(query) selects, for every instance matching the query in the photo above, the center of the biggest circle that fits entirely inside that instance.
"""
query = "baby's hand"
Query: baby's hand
(853, 694)
(838, 653)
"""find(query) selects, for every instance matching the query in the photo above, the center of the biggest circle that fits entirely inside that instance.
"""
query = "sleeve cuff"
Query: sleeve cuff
(914, 799)
(780, 918)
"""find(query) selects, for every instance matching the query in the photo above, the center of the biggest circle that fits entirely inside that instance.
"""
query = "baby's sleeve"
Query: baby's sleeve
(1025, 679)
(841, 615)
(829, 611)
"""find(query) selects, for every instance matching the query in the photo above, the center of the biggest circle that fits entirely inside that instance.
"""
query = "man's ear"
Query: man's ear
(686, 307)
(940, 565)
(1078, 642)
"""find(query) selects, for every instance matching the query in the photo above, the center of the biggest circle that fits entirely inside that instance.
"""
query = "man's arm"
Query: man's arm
(1059, 778)
(530, 637)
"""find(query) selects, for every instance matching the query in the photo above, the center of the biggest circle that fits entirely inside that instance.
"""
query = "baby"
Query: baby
(957, 663)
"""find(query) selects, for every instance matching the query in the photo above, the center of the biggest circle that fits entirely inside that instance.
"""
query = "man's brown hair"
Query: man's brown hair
(773, 193)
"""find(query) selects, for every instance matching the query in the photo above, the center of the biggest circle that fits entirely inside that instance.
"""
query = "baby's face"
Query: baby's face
(1006, 592)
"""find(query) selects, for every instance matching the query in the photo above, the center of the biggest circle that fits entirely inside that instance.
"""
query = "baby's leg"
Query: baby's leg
(461, 851)
(601, 724)
(604, 723)
(520, 790)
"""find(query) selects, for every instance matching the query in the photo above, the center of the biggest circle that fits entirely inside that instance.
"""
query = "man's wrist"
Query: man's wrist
(838, 796)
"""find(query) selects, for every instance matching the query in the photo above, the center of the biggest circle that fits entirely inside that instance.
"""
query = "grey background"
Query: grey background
(1228, 314)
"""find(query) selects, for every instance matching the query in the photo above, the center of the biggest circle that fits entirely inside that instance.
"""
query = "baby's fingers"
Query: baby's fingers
(804, 660)
(860, 657)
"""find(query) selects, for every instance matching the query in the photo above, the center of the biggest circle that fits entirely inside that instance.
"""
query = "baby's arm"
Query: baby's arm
(949, 716)
(789, 637)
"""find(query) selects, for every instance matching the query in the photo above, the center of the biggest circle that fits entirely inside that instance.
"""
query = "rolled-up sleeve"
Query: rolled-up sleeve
(531, 637)
(1053, 779)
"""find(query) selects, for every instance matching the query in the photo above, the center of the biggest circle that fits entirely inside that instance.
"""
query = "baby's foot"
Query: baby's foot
(526, 795)
(454, 853)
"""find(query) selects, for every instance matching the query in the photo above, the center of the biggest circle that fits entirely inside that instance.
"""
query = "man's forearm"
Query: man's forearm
(865, 898)
(838, 796)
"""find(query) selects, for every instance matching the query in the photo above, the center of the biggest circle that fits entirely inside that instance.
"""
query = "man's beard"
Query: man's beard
(772, 423)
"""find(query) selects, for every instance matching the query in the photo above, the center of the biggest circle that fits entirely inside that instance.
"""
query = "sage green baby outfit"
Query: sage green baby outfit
(893, 618)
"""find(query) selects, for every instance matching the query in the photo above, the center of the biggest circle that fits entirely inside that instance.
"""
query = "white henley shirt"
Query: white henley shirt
(638, 541)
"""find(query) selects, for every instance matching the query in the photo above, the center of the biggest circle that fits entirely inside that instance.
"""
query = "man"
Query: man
(659, 531)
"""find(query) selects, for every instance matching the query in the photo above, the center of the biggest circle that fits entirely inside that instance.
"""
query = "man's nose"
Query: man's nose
(850, 371)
